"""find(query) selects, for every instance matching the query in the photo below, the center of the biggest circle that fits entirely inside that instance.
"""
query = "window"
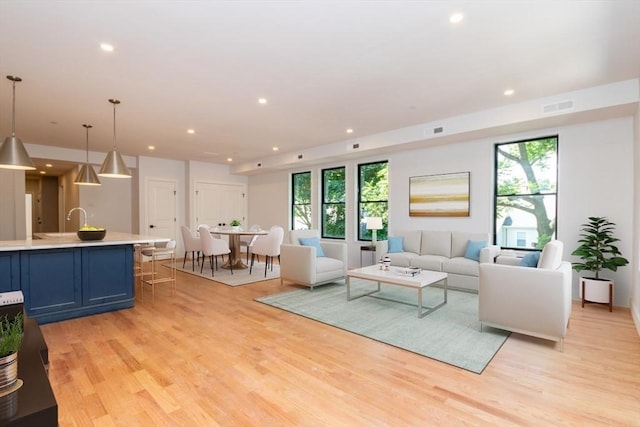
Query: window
(301, 201)
(526, 175)
(333, 202)
(373, 197)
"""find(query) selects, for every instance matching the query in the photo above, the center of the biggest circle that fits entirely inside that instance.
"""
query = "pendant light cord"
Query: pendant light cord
(13, 111)
(114, 102)
(87, 127)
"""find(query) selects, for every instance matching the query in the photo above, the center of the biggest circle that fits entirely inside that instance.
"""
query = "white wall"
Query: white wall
(595, 172)
(108, 205)
(635, 261)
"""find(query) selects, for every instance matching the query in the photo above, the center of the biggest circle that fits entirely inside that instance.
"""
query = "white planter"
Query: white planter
(595, 290)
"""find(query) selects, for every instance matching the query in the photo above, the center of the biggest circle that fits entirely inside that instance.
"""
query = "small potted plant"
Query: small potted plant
(235, 224)
(597, 252)
(11, 335)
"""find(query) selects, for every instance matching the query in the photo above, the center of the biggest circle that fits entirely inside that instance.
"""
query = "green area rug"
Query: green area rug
(224, 276)
(450, 334)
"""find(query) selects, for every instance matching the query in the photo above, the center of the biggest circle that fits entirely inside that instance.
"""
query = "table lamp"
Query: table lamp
(374, 224)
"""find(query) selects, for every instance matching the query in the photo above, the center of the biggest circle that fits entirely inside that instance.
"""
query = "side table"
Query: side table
(368, 248)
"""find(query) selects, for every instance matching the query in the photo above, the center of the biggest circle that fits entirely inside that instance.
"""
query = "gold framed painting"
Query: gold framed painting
(439, 195)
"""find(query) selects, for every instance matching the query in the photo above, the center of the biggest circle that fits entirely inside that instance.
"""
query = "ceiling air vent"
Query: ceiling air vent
(557, 107)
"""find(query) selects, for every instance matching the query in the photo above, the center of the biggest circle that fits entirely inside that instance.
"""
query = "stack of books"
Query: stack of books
(408, 271)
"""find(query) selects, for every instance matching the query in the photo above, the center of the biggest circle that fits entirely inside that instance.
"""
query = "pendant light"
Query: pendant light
(114, 166)
(87, 176)
(13, 155)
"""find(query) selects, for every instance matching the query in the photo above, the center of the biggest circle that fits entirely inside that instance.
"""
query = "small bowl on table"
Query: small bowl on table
(88, 235)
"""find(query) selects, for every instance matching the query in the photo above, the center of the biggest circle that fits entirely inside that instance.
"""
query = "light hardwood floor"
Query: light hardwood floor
(212, 356)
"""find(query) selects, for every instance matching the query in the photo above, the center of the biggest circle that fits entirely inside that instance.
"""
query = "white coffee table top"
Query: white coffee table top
(373, 272)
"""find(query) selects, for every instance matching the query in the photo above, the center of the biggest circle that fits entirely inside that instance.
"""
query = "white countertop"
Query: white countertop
(71, 240)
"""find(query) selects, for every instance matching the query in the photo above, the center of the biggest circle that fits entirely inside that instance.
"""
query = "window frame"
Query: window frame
(553, 194)
(293, 197)
(324, 203)
(381, 234)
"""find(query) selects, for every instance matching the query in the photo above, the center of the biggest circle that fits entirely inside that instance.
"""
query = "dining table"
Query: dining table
(235, 257)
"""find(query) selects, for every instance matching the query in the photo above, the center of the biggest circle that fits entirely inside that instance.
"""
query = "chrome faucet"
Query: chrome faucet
(78, 209)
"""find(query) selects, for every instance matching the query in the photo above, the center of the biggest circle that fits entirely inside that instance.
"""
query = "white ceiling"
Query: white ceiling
(324, 66)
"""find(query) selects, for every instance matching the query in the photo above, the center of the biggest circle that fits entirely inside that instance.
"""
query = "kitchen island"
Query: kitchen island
(63, 277)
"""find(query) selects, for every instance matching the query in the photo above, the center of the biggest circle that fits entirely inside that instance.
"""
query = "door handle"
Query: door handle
(151, 226)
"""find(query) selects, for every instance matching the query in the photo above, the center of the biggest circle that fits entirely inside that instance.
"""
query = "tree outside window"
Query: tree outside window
(333, 203)
(301, 201)
(526, 192)
(373, 197)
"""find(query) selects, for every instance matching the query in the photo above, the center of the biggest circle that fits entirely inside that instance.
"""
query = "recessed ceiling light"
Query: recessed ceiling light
(151, 147)
(508, 92)
(106, 47)
(349, 130)
(229, 159)
(43, 172)
(275, 148)
(191, 131)
(49, 165)
(456, 18)
(262, 101)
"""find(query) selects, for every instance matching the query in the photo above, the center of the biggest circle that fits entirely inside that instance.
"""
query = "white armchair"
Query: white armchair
(300, 264)
(528, 300)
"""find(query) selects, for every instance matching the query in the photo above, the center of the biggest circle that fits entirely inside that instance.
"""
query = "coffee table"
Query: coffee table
(393, 277)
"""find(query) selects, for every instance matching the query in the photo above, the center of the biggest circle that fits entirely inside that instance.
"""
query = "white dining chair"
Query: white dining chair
(191, 244)
(247, 242)
(269, 246)
(213, 248)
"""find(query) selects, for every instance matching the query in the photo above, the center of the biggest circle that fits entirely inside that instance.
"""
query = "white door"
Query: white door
(217, 204)
(161, 208)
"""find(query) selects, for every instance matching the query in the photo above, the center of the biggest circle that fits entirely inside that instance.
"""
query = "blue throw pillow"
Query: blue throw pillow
(396, 244)
(473, 249)
(530, 260)
(312, 241)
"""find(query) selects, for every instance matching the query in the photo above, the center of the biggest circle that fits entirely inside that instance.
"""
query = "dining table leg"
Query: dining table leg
(235, 257)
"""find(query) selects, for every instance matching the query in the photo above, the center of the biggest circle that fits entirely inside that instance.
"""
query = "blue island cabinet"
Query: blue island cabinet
(61, 284)
(9, 271)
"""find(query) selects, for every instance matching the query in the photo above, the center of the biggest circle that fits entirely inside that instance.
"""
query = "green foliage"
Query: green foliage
(597, 250)
(11, 334)
(302, 198)
(235, 223)
(374, 196)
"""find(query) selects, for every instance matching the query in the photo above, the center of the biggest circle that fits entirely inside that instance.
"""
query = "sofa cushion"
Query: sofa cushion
(325, 264)
(551, 255)
(396, 244)
(428, 262)
(530, 260)
(295, 235)
(312, 241)
(473, 249)
(460, 239)
(435, 243)
(461, 265)
(411, 240)
(402, 259)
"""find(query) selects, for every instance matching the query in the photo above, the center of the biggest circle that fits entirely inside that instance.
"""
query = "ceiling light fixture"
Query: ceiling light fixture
(275, 148)
(114, 166)
(262, 101)
(509, 92)
(349, 130)
(87, 175)
(13, 155)
(106, 47)
(229, 159)
(49, 165)
(456, 18)
(191, 131)
(151, 147)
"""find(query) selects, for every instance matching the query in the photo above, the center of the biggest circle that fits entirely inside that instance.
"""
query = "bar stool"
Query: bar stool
(153, 275)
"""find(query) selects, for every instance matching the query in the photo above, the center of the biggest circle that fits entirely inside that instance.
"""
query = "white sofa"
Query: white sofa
(528, 300)
(441, 251)
(299, 264)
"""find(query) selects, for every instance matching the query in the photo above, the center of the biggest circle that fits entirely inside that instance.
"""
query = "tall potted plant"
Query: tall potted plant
(597, 251)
